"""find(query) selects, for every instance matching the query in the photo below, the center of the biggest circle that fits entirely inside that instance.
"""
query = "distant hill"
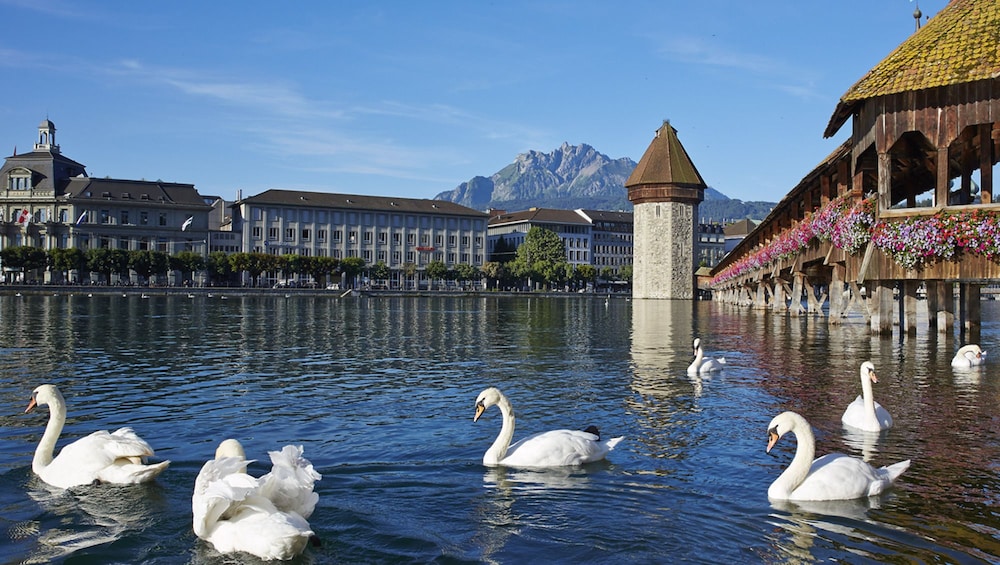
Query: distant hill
(577, 176)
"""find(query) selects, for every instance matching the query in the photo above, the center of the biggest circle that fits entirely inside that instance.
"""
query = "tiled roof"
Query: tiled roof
(608, 216)
(134, 190)
(360, 202)
(960, 44)
(665, 162)
(539, 215)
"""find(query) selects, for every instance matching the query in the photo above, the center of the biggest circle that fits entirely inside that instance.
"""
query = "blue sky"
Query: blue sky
(412, 98)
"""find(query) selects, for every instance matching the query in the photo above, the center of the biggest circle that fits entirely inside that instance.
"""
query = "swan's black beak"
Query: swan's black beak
(872, 376)
(480, 408)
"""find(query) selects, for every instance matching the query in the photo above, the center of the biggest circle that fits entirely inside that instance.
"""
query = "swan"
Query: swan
(969, 356)
(101, 457)
(702, 364)
(548, 449)
(263, 516)
(865, 413)
(834, 476)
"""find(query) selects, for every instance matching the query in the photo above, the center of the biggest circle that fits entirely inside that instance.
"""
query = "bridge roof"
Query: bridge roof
(960, 44)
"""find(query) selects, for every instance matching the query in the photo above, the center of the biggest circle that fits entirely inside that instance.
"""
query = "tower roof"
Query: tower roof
(960, 44)
(665, 162)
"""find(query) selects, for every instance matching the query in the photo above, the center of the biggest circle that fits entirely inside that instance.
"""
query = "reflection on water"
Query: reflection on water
(379, 391)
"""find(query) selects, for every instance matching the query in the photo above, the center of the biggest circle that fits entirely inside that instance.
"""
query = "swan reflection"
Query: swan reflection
(85, 517)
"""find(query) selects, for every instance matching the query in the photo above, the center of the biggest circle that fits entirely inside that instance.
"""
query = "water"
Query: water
(380, 392)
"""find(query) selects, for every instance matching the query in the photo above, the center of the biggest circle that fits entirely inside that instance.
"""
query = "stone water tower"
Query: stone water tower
(665, 189)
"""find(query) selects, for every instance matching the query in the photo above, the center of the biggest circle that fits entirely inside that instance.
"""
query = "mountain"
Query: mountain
(577, 176)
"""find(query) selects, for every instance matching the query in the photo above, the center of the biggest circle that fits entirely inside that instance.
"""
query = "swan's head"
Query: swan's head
(487, 398)
(971, 351)
(44, 395)
(781, 425)
(696, 344)
(868, 371)
(230, 448)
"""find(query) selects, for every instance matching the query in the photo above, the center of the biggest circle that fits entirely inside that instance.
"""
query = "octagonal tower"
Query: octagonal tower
(665, 189)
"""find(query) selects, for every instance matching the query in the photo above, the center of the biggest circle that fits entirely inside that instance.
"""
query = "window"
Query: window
(352, 237)
(272, 234)
(19, 179)
(124, 219)
(368, 237)
(163, 219)
(143, 218)
(382, 237)
(306, 235)
(256, 232)
(289, 234)
(451, 241)
(321, 235)
(337, 235)
(105, 218)
(411, 239)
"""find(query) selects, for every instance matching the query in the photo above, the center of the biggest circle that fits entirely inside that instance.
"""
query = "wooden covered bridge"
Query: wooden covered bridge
(905, 207)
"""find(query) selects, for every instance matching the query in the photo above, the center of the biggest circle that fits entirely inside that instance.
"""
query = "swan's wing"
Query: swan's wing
(101, 456)
(289, 485)
(557, 448)
(213, 497)
(836, 476)
(270, 535)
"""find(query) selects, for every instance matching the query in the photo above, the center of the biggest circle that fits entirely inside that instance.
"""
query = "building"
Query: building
(405, 234)
(710, 246)
(48, 201)
(591, 237)
(665, 189)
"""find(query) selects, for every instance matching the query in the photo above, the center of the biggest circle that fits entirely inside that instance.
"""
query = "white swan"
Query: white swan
(101, 457)
(702, 364)
(548, 449)
(834, 476)
(265, 517)
(864, 413)
(969, 356)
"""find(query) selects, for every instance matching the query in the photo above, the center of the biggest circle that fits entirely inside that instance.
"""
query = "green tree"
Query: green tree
(380, 272)
(219, 267)
(466, 273)
(541, 257)
(187, 262)
(587, 274)
(24, 258)
(435, 270)
(321, 269)
(63, 260)
(351, 267)
(496, 272)
(101, 261)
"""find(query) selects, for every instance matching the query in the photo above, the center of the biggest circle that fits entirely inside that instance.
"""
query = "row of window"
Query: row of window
(378, 219)
(398, 258)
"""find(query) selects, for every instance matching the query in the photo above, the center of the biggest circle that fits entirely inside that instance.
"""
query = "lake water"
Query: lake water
(380, 391)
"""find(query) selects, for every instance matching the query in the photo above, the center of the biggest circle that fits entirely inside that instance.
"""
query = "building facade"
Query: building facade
(405, 234)
(48, 201)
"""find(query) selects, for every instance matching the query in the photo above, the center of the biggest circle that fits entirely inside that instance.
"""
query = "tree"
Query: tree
(351, 267)
(380, 271)
(541, 257)
(187, 262)
(495, 271)
(466, 273)
(435, 270)
(24, 258)
(220, 269)
(100, 261)
(63, 260)
(587, 274)
(322, 268)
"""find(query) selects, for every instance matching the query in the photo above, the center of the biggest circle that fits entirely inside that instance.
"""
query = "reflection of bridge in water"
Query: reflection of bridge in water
(906, 204)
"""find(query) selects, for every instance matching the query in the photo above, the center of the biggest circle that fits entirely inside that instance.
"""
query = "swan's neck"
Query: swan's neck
(498, 450)
(867, 396)
(798, 469)
(699, 356)
(43, 453)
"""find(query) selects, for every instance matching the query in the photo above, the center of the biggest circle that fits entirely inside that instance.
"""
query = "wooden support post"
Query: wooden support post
(837, 294)
(795, 304)
(881, 321)
(932, 301)
(908, 295)
(972, 309)
(986, 163)
(760, 298)
(946, 307)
